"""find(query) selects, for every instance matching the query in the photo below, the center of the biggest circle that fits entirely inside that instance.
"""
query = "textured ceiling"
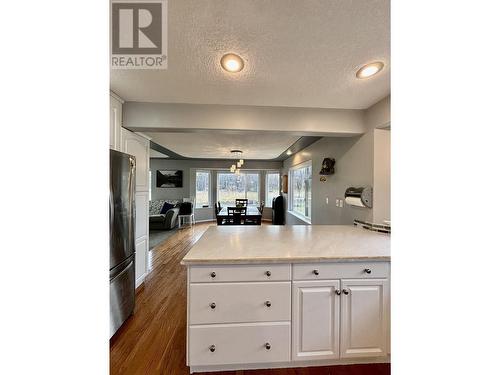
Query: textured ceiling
(216, 145)
(296, 53)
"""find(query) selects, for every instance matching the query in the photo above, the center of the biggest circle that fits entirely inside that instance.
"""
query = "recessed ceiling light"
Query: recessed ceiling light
(289, 152)
(232, 63)
(369, 69)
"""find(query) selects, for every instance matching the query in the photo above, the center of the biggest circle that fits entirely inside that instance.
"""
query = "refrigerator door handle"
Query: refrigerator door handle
(130, 263)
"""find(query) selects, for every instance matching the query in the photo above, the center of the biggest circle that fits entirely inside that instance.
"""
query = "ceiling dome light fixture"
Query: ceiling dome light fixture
(369, 70)
(232, 63)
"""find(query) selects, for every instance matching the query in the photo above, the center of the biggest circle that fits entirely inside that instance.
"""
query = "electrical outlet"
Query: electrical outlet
(341, 202)
(336, 202)
(326, 200)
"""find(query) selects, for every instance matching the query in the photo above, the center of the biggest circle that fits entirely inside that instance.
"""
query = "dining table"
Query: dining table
(253, 214)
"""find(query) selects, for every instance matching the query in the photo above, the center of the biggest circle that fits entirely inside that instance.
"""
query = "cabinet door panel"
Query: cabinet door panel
(137, 146)
(115, 119)
(364, 318)
(316, 314)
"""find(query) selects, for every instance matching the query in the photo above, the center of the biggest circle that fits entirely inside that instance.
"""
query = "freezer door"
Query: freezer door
(121, 207)
(122, 295)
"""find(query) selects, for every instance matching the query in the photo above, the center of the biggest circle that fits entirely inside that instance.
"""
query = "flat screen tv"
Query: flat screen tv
(168, 179)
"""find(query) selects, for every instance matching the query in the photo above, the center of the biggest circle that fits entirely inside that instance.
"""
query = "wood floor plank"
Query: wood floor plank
(153, 340)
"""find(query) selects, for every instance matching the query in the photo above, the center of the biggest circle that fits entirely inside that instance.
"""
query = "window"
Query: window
(202, 189)
(300, 178)
(272, 187)
(231, 186)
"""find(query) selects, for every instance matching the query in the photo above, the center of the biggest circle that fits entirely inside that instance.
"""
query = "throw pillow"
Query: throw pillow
(166, 206)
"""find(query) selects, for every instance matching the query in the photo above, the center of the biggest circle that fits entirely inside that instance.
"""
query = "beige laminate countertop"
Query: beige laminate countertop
(288, 244)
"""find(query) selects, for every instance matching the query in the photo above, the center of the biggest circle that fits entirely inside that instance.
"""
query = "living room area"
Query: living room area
(195, 182)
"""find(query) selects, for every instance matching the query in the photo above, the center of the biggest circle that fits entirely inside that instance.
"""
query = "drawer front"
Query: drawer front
(354, 270)
(239, 343)
(207, 274)
(239, 302)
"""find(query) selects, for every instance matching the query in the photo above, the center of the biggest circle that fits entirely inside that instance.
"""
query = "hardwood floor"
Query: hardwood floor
(153, 340)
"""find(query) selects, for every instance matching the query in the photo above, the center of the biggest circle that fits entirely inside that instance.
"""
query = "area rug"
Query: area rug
(156, 237)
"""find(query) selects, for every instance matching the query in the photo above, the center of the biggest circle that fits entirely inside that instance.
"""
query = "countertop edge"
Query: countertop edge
(201, 262)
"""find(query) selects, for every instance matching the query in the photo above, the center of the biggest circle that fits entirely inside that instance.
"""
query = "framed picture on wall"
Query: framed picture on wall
(168, 179)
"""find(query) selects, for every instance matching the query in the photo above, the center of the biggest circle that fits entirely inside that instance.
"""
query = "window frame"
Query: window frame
(265, 187)
(291, 170)
(210, 205)
(256, 172)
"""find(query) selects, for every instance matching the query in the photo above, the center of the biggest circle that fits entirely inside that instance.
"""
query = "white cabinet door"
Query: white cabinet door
(134, 144)
(141, 253)
(364, 317)
(115, 123)
(315, 319)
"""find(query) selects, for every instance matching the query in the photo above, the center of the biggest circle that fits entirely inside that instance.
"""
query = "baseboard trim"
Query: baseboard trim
(139, 281)
(291, 364)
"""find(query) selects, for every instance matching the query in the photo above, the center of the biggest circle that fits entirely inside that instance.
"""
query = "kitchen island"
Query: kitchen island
(287, 296)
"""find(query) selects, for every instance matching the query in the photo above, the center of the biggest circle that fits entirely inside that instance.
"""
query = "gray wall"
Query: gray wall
(382, 176)
(188, 187)
(354, 167)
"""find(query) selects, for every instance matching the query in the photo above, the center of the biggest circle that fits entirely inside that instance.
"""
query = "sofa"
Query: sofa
(163, 218)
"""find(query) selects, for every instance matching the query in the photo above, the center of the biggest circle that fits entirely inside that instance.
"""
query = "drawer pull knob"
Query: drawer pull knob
(268, 273)
(213, 274)
(345, 291)
(368, 271)
(268, 303)
(268, 346)
(316, 272)
(212, 348)
(337, 292)
(212, 305)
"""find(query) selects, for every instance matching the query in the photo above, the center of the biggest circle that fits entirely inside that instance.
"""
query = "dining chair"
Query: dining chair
(241, 202)
(234, 215)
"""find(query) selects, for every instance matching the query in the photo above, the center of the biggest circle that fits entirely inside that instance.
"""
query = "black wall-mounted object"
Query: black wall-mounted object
(168, 179)
(327, 167)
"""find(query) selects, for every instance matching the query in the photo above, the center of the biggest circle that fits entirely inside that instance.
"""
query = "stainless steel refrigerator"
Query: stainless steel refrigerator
(121, 238)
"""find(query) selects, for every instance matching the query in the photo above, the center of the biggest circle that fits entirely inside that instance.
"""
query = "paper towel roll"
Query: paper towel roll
(354, 201)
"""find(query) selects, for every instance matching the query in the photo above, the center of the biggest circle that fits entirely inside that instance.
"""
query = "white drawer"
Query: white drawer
(354, 270)
(239, 343)
(239, 302)
(206, 274)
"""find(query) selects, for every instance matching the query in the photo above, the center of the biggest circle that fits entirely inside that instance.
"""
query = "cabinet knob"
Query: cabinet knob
(268, 303)
(212, 305)
(213, 274)
(337, 292)
(345, 291)
(212, 348)
(316, 272)
(268, 346)
(368, 271)
(268, 273)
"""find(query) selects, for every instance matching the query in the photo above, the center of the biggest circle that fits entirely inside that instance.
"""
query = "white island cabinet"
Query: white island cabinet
(274, 299)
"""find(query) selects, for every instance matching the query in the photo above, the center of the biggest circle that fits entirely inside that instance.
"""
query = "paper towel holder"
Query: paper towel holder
(360, 197)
